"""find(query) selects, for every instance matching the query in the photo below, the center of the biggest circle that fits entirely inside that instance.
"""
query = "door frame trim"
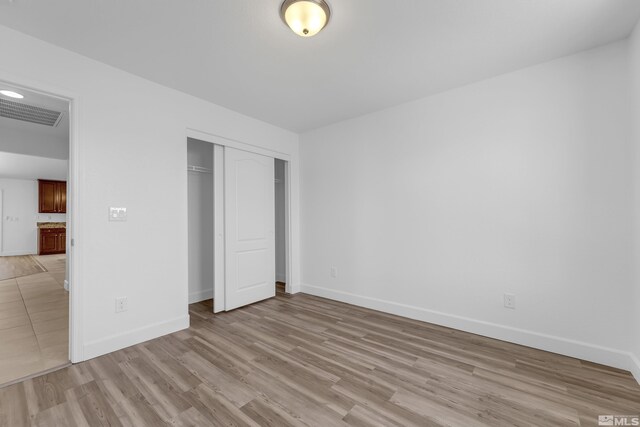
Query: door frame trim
(227, 142)
(1, 220)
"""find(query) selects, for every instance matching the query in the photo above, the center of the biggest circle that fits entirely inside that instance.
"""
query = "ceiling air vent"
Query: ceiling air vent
(29, 113)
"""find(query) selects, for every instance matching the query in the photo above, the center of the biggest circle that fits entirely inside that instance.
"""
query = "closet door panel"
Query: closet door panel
(249, 223)
(219, 231)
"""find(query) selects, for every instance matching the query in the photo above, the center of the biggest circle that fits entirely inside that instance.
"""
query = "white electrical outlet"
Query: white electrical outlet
(510, 301)
(122, 304)
(334, 272)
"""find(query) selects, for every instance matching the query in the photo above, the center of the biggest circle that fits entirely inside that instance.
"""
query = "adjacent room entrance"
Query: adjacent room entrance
(34, 225)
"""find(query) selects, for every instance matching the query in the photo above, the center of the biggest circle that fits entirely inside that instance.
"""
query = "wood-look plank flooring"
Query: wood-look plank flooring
(34, 322)
(303, 360)
(18, 266)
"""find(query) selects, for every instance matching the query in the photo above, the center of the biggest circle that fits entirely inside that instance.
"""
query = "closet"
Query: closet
(200, 207)
(232, 195)
(281, 220)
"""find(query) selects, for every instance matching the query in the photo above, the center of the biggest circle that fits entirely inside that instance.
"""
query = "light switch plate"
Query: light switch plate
(117, 214)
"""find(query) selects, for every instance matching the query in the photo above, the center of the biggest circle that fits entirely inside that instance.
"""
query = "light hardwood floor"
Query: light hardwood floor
(304, 360)
(34, 321)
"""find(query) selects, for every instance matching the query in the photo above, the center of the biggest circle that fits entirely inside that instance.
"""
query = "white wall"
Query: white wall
(27, 139)
(132, 153)
(20, 166)
(518, 184)
(634, 72)
(19, 217)
(281, 222)
(200, 204)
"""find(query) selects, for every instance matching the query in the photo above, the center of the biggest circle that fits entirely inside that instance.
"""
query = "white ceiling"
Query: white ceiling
(372, 55)
(17, 136)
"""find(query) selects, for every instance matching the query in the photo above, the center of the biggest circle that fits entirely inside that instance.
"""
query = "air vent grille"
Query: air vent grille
(29, 113)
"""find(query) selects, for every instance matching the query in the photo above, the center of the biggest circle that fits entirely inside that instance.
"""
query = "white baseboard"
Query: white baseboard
(200, 296)
(119, 341)
(635, 366)
(18, 253)
(568, 347)
(295, 288)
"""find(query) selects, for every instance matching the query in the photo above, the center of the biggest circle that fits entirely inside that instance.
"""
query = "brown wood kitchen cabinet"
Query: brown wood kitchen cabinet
(52, 241)
(52, 196)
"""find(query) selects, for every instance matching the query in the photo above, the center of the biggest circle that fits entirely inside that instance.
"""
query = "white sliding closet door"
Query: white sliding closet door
(218, 229)
(249, 211)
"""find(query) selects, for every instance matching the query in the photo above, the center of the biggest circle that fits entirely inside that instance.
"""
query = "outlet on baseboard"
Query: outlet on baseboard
(510, 301)
(122, 304)
(334, 272)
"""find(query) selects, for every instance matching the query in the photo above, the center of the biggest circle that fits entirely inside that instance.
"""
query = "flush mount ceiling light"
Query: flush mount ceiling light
(11, 94)
(305, 17)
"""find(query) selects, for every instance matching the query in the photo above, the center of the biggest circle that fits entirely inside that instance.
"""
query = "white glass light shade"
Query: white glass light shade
(306, 18)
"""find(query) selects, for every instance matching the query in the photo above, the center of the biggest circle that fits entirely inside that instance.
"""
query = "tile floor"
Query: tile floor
(18, 266)
(34, 321)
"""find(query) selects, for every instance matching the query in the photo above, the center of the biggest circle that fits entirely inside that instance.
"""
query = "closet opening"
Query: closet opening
(280, 183)
(201, 221)
(238, 225)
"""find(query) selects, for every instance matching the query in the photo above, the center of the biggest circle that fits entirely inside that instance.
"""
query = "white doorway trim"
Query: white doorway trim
(287, 227)
(289, 253)
(74, 223)
(1, 220)
(226, 142)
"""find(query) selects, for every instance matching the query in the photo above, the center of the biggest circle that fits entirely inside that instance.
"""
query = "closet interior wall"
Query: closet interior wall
(200, 199)
(281, 222)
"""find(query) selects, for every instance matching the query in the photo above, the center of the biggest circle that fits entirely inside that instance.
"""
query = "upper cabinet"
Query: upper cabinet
(52, 196)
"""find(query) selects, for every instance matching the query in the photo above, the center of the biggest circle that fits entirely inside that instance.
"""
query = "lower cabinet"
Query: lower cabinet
(52, 241)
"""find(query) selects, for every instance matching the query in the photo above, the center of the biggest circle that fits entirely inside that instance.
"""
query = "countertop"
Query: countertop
(52, 225)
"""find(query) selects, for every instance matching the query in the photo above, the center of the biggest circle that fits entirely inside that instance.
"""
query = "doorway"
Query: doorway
(200, 220)
(238, 225)
(281, 224)
(34, 222)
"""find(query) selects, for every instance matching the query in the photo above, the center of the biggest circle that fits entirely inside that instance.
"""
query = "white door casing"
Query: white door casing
(249, 200)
